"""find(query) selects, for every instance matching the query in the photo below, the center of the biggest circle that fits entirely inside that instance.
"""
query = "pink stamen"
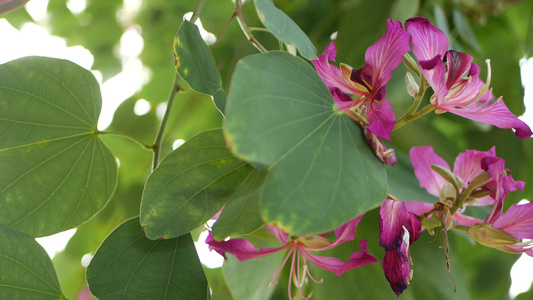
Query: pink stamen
(281, 267)
(293, 249)
(309, 273)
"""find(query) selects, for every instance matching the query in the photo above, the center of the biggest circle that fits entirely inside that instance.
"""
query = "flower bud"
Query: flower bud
(489, 236)
(448, 194)
(412, 85)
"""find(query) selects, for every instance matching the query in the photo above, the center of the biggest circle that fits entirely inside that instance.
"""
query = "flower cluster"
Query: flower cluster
(443, 69)
(478, 178)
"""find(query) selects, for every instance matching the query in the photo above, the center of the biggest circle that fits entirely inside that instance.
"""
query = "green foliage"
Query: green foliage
(281, 26)
(26, 271)
(167, 269)
(60, 173)
(190, 185)
(306, 191)
(195, 64)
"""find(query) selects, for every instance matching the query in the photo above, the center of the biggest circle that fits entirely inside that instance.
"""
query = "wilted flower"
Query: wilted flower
(399, 229)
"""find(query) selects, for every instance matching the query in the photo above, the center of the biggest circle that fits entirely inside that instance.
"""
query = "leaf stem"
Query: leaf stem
(156, 148)
(197, 10)
(8, 6)
(408, 118)
(129, 137)
(245, 29)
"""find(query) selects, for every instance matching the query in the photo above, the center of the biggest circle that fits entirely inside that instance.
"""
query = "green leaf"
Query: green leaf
(250, 279)
(190, 185)
(129, 266)
(242, 213)
(56, 172)
(195, 64)
(26, 271)
(281, 115)
(404, 9)
(465, 31)
(284, 28)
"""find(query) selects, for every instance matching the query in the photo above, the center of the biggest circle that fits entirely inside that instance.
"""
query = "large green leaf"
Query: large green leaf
(281, 115)
(26, 271)
(55, 171)
(284, 28)
(242, 213)
(190, 185)
(195, 64)
(129, 266)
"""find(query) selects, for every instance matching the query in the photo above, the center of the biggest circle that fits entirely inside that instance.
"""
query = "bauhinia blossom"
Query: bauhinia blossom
(300, 248)
(368, 84)
(468, 166)
(444, 69)
(399, 229)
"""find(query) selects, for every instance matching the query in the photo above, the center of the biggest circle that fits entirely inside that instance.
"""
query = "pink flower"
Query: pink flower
(367, 84)
(399, 229)
(299, 247)
(467, 167)
(467, 97)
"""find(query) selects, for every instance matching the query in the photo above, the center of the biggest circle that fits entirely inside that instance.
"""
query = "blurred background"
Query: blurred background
(128, 46)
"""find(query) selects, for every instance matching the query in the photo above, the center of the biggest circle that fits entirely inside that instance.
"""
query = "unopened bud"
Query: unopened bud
(447, 194)
(489, 236)
(412, 85)
(447, 175)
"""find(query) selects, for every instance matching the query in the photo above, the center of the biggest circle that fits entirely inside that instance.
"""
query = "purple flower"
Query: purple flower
(299, 248)
(399, 229)
(367, 84)
(467, 97)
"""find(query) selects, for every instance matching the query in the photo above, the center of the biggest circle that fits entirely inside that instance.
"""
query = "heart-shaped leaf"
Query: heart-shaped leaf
(191, 185)
(284, 28)
(26, 271)
(195, 64)
(281, 115)
(129, 266)
(56, 172)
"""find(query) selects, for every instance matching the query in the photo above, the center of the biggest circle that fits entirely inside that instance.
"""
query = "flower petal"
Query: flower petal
(331, 75)
(397, 271)
(386, 54)
(495, 113)
(458, 64)
(281, 235)
(240, 248)
(429, 46)
(381, 119)
(344, 102)
(517, 221)
(468, 164)
(394, 219)
(337, 266)
(422, 158)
